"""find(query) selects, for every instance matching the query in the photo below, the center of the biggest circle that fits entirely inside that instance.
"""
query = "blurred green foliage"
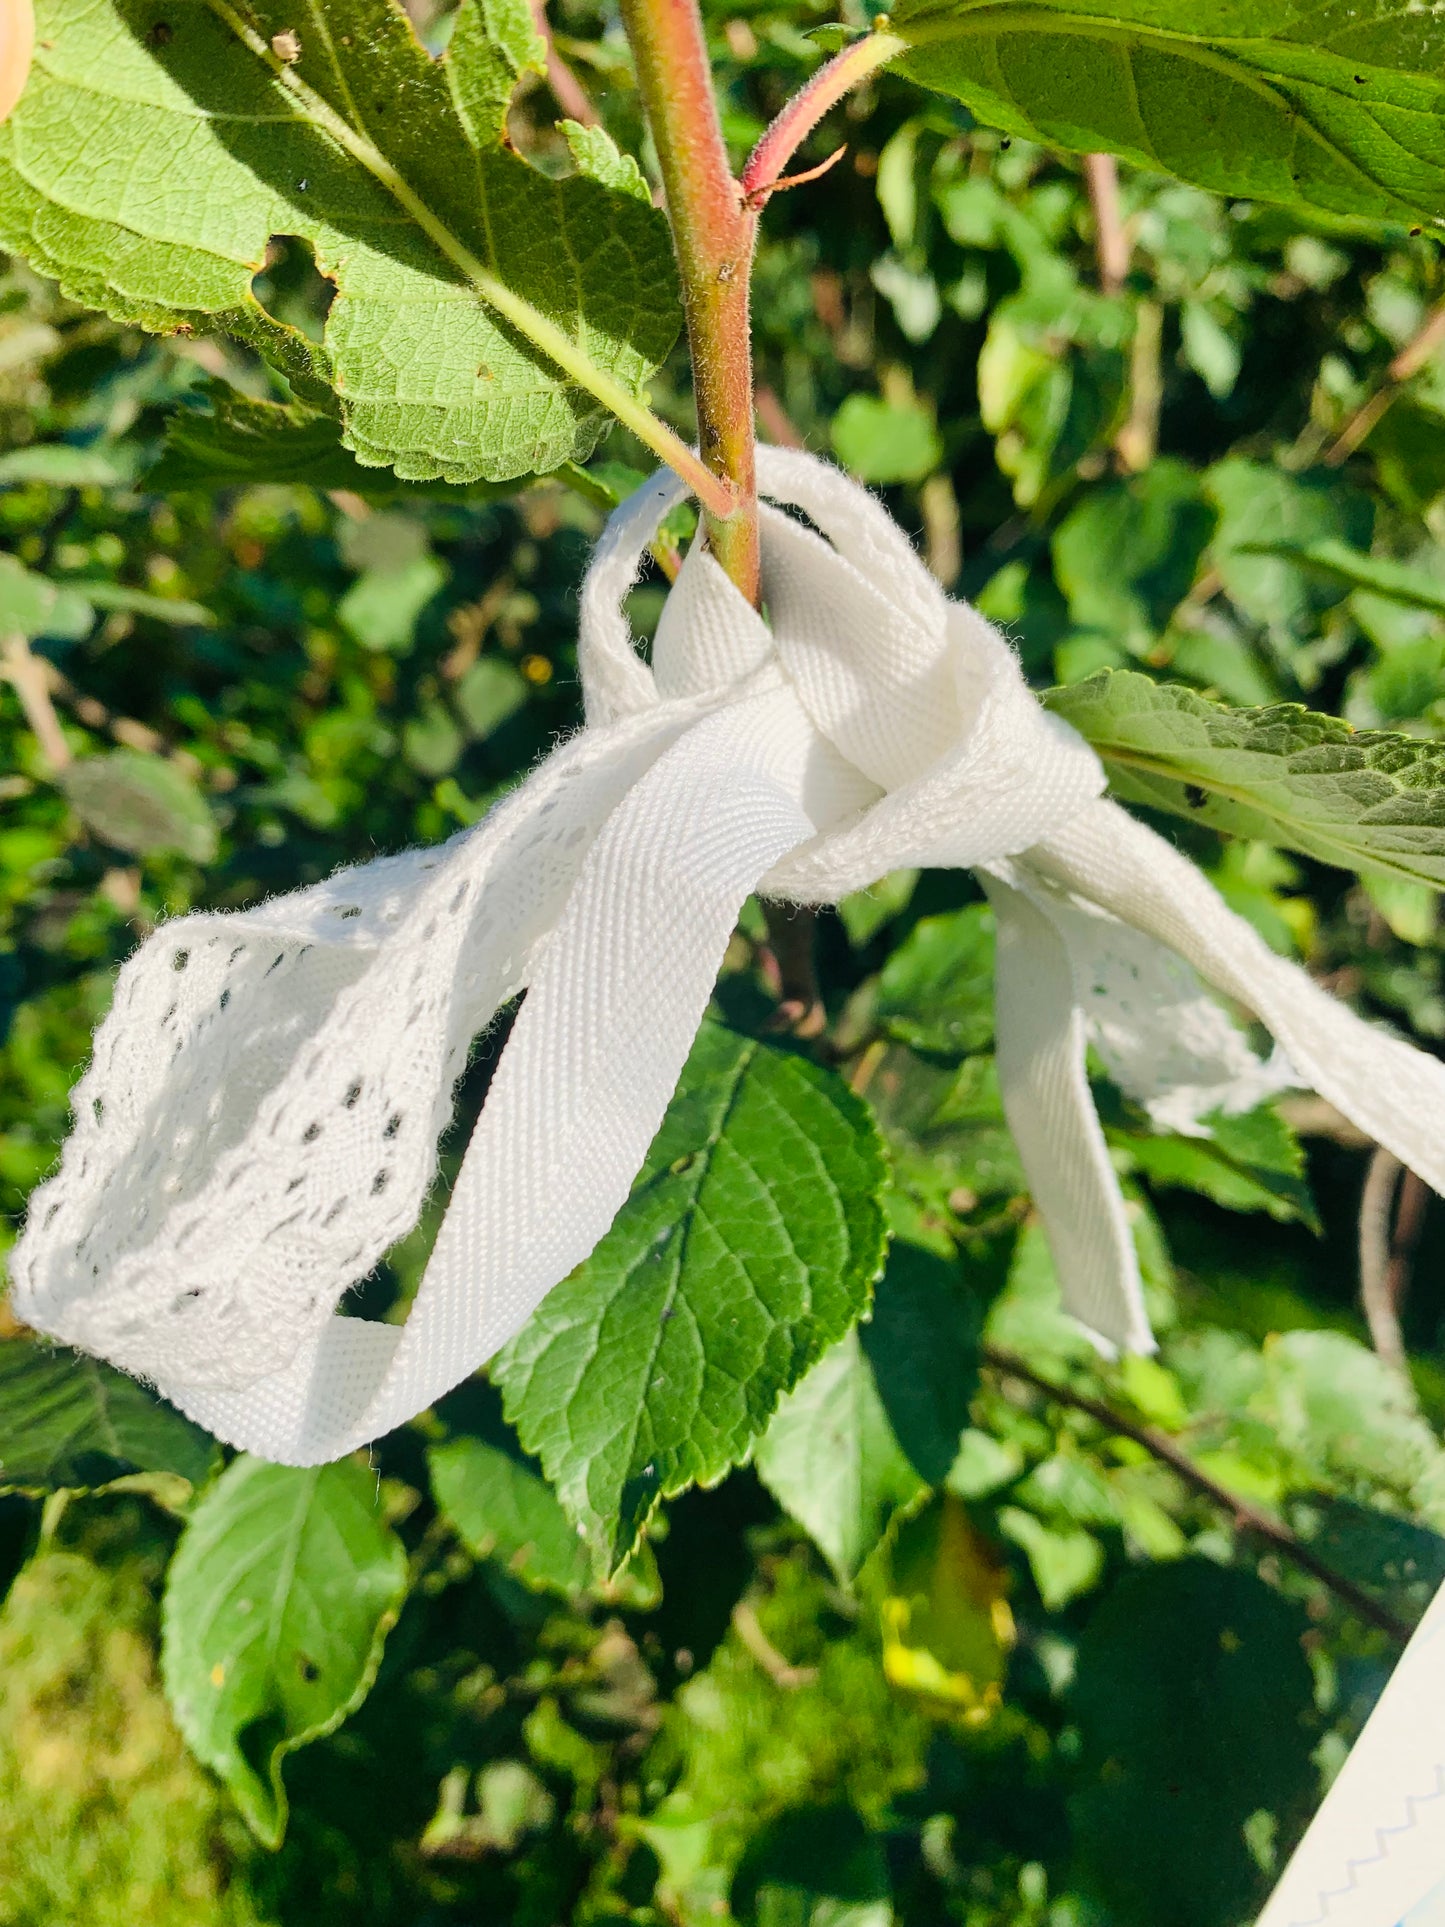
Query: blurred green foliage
(1024, 1672)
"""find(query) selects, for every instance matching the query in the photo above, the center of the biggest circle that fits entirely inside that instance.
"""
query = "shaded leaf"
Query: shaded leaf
(947, 1628)
(68, 1420)
(922, 1344)
(1127, 555)
(817, 1867)
(279, 1599)
(239, 443)
(504, 1510)
(1415, 588)
(1225, 1731)
(936, 990)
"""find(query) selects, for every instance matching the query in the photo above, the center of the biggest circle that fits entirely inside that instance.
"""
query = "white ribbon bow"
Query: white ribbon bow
(261, 1117)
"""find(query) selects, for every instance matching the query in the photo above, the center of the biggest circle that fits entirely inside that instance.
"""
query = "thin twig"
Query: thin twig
(567, 90)
(1427, 340)
(1111, 237)
(1246, 1517)
(1377, 1202)
(1386, 1254)
(778, 1669)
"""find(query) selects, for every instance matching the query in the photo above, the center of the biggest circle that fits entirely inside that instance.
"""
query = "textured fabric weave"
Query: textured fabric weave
(260, 1120)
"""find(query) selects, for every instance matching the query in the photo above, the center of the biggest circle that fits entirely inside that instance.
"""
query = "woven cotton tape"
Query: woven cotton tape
(261, 1116)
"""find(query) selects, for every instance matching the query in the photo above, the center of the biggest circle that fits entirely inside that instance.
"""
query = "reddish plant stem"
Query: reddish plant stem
(713, 233)
(807, 107)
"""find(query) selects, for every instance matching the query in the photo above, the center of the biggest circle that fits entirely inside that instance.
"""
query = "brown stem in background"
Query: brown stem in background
(1246, 1517)
(775, 420)
(1138, 440)
(779, 1670)
(1386, 1255)
(1111, 237)
(26, 675)
(1419, 349)
(792, 930)
(567, 90)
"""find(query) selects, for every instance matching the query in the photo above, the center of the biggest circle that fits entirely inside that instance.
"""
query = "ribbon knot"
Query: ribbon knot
(260, 1119)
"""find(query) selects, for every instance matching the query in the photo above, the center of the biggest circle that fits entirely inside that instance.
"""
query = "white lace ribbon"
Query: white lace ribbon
(260, 1120)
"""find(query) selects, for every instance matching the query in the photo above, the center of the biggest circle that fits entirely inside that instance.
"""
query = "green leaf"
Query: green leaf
(505, 1511)
(832, 1460)
(30, 605)
(59, 465)
(382, 606)
(1315, 109)
(749, 1245)
(1127, 555)
(279, 1600)
(159, 148)
(922, 1345)
(1065, 1560)
(883, 441)
(1251, 1162)
(239, 443)
(1402, 1562)
(1255, 500)
(936, 990)
(68, 1420)
(141, 803)
(1359, 799)
(488, 694)
(1346, 1415)
(1224, 1731)
(172, 610)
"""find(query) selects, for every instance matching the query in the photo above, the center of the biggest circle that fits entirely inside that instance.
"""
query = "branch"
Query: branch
(1421, 347)
(713, 233)
(1111, 237)
(1246, 1517)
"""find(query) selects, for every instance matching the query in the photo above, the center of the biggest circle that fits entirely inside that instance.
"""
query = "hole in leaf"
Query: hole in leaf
(291, 287)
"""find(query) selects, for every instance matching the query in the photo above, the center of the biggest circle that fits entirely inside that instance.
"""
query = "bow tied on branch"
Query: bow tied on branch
(261, 1117)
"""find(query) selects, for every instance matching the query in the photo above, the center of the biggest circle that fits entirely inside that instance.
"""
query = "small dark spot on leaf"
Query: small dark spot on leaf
(161, 34)
(1195, 797)
(307, 1667)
